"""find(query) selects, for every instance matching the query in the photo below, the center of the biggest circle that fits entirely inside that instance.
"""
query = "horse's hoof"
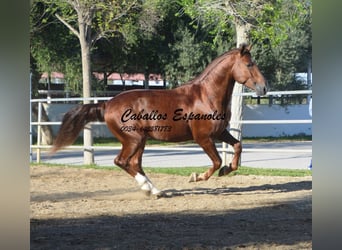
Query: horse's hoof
(155, 191)
(223, 171)
(193, 177)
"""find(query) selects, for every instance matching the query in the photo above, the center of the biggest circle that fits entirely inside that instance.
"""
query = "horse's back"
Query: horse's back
(149, 112)
(154, 98)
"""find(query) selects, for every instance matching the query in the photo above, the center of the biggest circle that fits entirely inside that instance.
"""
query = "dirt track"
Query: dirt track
(99, 209)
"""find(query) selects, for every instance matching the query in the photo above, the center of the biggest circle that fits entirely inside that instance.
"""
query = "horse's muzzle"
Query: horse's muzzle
(260, 89)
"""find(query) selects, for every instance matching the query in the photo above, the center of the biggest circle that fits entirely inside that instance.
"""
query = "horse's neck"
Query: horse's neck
(218, 88)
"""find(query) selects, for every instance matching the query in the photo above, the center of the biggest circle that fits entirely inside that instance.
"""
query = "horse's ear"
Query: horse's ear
(244, 48)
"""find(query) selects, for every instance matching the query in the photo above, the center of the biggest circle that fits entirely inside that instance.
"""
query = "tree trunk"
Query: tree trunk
(242, 36)
(146, 82)
(85, 42)
(84, 15)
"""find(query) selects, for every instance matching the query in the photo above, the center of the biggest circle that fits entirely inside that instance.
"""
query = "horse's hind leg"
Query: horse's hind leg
(123, 158)
(143, 181)
(130, 159)
(209, 147)
(236, 144)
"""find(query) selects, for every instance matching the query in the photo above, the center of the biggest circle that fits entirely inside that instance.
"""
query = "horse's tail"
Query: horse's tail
(74, 121)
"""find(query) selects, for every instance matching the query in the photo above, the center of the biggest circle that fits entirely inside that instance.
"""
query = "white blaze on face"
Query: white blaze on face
(145, 184)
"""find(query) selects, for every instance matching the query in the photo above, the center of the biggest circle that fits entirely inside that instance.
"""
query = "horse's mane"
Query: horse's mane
(208, 70)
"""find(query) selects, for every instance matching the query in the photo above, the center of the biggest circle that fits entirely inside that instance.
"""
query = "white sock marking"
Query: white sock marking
(153, 189)
(142, 181)
(145, 183)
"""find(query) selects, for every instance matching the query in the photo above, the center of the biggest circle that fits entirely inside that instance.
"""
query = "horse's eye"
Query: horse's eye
(249, 65)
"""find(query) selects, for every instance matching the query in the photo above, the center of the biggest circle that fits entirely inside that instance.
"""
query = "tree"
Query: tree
(43, 48)
(248, 18)
(286, 46)
(53, 47)
(186, 61)
(90, 20)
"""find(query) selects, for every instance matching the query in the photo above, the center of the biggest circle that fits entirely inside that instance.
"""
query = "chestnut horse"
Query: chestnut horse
(198, 110)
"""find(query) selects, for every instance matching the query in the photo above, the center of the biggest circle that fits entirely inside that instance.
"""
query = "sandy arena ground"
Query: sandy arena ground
(73, 208)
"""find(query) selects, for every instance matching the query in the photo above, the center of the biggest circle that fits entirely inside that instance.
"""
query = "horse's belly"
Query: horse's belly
(172, 132)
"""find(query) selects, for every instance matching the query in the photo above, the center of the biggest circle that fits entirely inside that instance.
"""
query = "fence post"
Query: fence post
(39, 128)
(30, 117)
(224, 153)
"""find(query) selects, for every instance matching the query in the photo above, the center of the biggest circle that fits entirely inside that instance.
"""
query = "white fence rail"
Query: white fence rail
(224, 149)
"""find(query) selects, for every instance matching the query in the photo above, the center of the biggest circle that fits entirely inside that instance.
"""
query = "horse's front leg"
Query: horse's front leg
(209, 147)
(236, 144)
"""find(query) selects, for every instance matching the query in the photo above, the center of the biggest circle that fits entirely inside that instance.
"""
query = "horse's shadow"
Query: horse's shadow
(274, 188)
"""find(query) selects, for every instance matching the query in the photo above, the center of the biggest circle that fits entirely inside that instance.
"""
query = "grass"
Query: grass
(298, 137)
(186, 171)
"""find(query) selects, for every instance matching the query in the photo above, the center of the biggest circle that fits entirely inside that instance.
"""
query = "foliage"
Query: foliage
(46, 39)
(53, 47)
(89, 21)
(185, 60)
(176, 38)
(279, 29)
(285, 46)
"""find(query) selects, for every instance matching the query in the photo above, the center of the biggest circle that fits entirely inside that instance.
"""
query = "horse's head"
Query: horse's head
(246, 72)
